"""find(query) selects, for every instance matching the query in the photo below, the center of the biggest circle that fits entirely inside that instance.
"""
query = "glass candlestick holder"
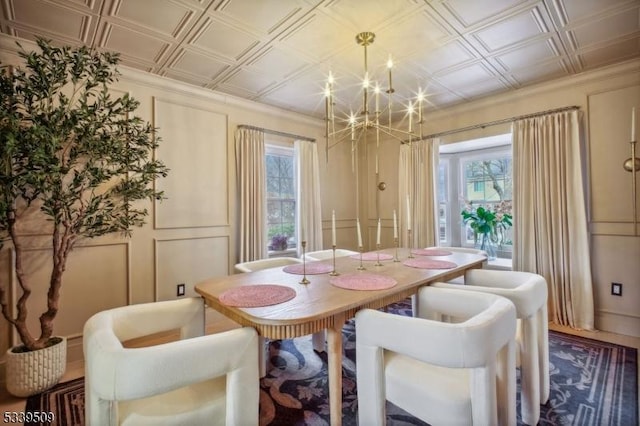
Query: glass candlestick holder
(304, 265)
(409, 243)
(361, 267)
(334, 272)
(395, 256)
(378, 254)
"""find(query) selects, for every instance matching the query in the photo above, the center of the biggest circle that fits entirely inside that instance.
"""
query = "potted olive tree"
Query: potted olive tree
(75, 162)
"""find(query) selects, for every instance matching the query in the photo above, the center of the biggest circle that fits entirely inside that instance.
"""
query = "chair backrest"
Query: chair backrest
(526, 290)
(463, 250)
(115, 374)
(483, 343)
(328, 254)
(272, 262)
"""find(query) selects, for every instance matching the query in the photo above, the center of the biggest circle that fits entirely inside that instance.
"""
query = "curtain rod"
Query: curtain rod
(276, 132)
(496, 122)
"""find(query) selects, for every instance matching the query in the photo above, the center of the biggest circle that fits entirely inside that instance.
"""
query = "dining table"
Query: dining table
(289, 302)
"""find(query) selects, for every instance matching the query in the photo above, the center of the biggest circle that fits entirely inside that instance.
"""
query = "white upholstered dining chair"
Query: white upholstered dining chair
(459, 280)
(328, 254)
(528, 292)
(442, 373)
(272, 262)
(199, 379)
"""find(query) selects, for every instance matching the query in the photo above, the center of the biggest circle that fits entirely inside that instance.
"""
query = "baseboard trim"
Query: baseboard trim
(619, 323)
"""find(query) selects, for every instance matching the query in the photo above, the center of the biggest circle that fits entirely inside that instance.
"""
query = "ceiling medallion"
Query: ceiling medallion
(357, 124)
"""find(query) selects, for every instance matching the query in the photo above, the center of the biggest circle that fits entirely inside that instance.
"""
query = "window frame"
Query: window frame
(478, 155)
(455, 157)
(273, 149)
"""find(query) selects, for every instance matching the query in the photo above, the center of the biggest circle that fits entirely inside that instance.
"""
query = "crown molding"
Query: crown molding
(168, 84)
(623, 69)
(8, 54)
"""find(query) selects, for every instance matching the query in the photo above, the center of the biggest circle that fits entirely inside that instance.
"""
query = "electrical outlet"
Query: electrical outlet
(180, 289)
(616, 289)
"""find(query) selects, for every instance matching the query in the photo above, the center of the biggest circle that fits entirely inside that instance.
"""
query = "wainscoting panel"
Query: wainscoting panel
(609, 135)
(194, 147)
(96, 278)
(188, 261)
(615, 259)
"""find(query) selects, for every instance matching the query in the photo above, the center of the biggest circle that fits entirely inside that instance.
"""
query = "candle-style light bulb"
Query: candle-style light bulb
(330, 79)
(389, 62)
(633, 124)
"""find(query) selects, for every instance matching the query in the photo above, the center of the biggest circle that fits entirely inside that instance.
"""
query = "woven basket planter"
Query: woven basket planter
(29, 373)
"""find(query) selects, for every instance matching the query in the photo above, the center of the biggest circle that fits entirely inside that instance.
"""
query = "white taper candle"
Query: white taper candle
(359, 233)
(378, 235)
(333, 227)
(395, 225)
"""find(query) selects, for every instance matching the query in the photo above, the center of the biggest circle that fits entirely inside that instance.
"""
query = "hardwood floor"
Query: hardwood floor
(76, 369)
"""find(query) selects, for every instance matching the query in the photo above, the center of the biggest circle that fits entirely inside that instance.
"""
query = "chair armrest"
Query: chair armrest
(461, 345)
(129, 322)
(121, 374)
(527, 295)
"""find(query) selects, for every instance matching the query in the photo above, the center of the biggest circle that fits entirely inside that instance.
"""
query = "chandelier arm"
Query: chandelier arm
(393, 132)
(345, 137)
(343, 131)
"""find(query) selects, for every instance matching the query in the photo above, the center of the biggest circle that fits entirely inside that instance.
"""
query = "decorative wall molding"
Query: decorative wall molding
(200, 179)
(222, 266)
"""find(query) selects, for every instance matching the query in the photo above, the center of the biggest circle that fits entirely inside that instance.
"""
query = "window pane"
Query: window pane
(272, 165)
(281, 203)
(488, 183)
(274, 211)
(287, 188)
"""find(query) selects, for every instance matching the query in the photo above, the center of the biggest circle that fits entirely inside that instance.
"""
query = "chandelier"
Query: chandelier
(357, 124)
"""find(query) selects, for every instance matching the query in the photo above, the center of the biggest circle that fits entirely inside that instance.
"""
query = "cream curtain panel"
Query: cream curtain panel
(309, 209)
(251, 177)
(550, 227)
(417, 180)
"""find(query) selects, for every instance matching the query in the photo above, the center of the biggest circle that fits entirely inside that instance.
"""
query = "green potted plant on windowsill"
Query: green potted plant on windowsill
(488, 225)
(74, 164)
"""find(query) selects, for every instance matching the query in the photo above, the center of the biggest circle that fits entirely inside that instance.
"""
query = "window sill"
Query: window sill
(500, 264)
(292, 252)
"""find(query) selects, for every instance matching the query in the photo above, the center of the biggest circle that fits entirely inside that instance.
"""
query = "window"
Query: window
(477, 172)
(281, 198)
(486, 181)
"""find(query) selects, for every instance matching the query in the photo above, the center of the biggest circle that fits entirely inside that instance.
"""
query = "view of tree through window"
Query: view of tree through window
(487, 182)
(281, 200)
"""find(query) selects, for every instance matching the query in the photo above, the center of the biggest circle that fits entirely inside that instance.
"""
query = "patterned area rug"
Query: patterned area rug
(592, 383)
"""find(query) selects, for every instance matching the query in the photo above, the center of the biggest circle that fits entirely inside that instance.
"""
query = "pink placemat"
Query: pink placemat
(363, 281)
(431, 252)
(312, 268)
(372, 255)
(253, 296)
(429, 264)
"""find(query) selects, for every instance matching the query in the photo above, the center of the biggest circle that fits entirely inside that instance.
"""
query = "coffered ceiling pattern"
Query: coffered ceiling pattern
(279, 52)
